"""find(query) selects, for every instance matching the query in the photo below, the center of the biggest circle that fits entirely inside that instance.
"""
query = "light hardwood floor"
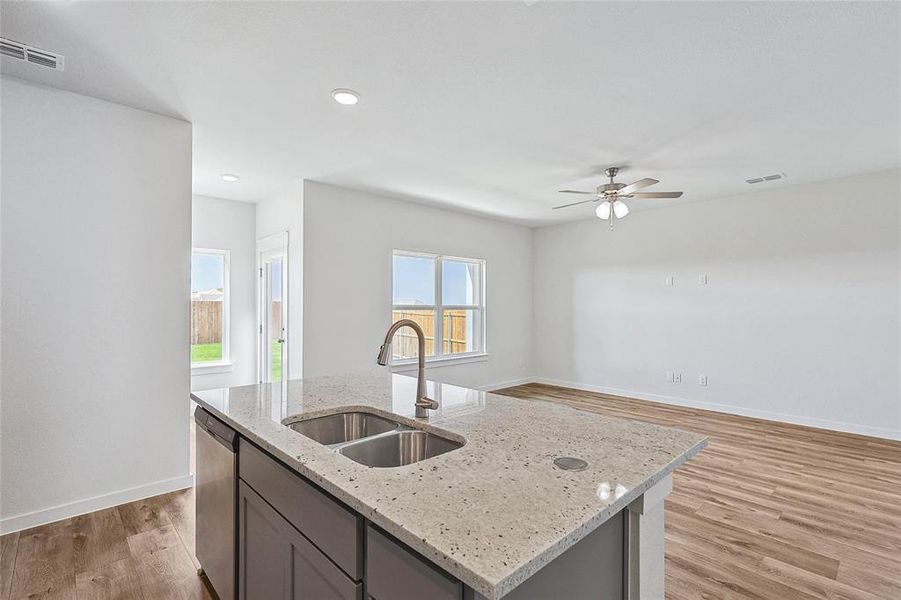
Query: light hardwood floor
(771, 510)
(767, 511)
(141, 550)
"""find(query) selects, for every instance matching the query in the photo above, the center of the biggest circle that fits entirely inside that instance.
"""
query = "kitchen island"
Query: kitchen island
(494, 517)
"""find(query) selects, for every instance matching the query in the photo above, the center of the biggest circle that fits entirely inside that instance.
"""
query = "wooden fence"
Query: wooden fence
(206, 328)
(206, 322)
(455, 328)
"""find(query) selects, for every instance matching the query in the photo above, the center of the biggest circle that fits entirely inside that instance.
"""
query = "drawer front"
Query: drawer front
(323, 520)
(395, 573)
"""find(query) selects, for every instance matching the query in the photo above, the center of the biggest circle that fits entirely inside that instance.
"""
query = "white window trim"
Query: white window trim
(211, 367)
(225, 365)
(408, 365)
(440, 359)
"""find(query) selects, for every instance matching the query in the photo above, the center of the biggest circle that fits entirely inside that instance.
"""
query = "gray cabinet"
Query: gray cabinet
(331, 526)
(395, 573)
(276, 562)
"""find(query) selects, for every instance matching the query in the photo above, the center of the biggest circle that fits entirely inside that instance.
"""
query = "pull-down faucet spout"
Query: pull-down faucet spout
(423, 402)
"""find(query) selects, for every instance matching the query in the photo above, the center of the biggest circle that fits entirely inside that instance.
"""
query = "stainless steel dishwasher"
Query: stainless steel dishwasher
(216, 502)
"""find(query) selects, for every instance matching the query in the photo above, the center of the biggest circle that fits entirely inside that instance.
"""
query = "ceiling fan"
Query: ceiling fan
(610, 195)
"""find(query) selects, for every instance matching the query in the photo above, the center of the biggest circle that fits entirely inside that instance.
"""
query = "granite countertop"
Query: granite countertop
(491, 513)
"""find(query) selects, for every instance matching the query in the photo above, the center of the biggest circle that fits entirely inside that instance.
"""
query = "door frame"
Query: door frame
(275, 244)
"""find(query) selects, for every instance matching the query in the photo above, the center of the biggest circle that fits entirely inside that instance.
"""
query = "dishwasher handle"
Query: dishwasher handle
(218, 430)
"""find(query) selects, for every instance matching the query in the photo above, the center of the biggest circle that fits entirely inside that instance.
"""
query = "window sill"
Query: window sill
(211, 368)
(411, 364)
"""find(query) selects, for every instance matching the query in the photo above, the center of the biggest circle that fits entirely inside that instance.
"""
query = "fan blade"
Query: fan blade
(575, 192)
(656, 194)
(641, 183)
(575, 203)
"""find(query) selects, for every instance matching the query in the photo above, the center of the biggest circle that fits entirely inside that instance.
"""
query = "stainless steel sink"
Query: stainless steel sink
(374, 440)
(400, 448)
(344, 427)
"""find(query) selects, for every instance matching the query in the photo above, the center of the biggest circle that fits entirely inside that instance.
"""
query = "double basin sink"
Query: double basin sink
(374, 440)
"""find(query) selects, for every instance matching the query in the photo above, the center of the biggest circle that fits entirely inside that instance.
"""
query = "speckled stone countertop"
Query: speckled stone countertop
(491, 513)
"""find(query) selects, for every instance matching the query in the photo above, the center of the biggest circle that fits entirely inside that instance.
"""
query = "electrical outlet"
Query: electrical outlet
(670, 281)
(677, 378)
(670, 376)
(702, 279)
(702, 380)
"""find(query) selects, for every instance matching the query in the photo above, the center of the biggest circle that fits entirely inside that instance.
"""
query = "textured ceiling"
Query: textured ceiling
(492, 107)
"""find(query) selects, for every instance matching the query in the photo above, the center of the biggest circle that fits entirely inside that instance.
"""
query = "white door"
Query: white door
(273, 310)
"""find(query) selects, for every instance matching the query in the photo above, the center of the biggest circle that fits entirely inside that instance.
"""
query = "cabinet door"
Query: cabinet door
(395, 573)
(262, 549)
(278, 563)
(313, 576)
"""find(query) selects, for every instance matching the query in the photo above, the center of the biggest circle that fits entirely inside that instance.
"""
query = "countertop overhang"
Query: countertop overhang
(491, 513)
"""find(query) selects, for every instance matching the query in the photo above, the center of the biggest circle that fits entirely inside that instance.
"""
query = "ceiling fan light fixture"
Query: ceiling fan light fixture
(607, 196)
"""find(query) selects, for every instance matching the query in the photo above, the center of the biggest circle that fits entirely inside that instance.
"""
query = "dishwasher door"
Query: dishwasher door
(216, 502)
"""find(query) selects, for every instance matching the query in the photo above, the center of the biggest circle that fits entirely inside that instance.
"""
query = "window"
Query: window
(209, 307)
(446, 297)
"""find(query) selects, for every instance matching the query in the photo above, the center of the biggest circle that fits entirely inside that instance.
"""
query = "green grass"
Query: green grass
(212, 352)
(206, 352)
(276, 361)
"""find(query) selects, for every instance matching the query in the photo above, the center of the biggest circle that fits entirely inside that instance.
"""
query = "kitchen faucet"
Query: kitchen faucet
(423, 403)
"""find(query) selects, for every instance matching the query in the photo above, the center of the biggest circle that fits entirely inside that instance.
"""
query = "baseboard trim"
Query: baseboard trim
(505, 384)
(877, 432)
(80, 507)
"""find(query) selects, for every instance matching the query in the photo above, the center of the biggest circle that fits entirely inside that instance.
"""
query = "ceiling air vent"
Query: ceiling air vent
(31, 54)
(766, 178)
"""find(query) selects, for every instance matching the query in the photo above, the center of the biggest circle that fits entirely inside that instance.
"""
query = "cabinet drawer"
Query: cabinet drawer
(395, 573)
(328, 524)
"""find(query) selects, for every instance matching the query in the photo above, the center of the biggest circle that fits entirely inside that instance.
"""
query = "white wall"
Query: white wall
(799, 320)
(96, 238)
(348, 241)
(228, 225)
(284, 212)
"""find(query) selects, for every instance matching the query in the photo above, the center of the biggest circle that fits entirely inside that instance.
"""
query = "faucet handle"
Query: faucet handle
(426, 402)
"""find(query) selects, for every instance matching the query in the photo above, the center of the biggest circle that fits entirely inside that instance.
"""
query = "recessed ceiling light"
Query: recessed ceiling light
(345, 97)
(230, 178)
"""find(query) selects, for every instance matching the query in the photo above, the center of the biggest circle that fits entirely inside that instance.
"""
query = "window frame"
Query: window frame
(225, 361)
(439, 307)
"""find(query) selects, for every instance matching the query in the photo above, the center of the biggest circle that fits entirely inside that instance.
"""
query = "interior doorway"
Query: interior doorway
(272, 266)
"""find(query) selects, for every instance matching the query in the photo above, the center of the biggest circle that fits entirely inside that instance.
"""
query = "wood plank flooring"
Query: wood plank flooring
(768, 511)
(142, 550)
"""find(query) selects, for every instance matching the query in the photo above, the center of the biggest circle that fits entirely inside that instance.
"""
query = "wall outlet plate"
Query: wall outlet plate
(669, 281)
(677, 378)
(702, 279)
(670, 376)
(702, 380)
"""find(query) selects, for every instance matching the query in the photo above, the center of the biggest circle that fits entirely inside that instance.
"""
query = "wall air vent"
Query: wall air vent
(31, 54)
(766, 178)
